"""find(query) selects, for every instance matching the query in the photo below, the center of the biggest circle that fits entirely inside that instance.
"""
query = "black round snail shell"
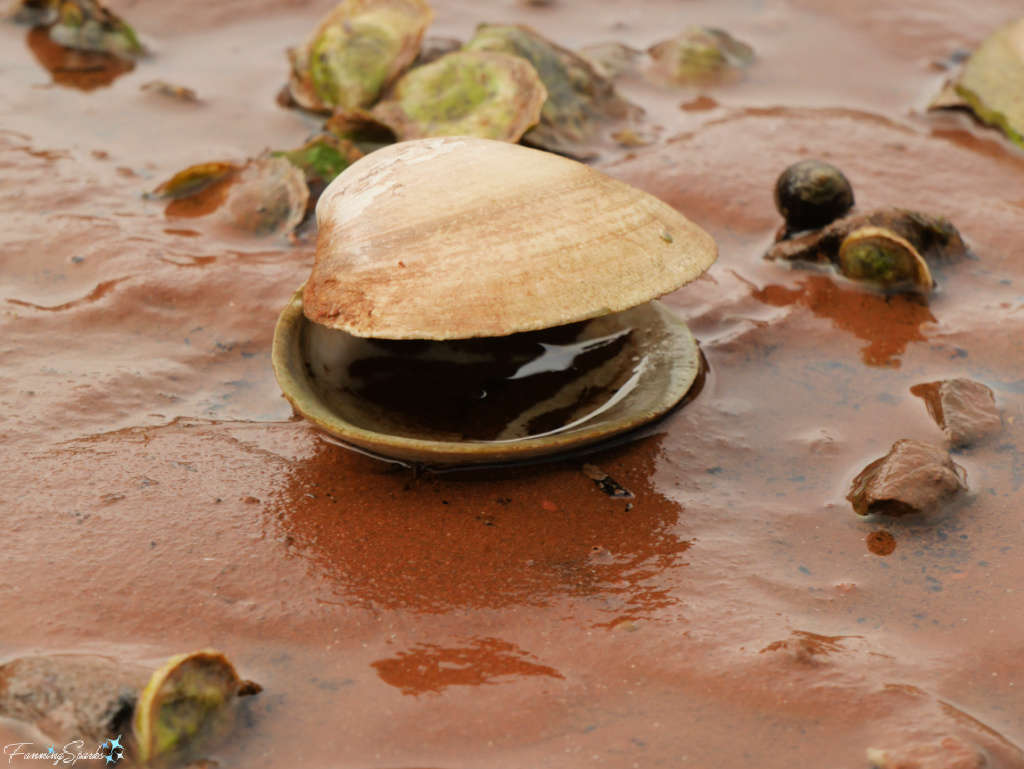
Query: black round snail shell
(811, 194)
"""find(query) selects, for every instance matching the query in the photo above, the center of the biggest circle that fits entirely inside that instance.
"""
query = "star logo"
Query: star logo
(115, 745)
(52, 751)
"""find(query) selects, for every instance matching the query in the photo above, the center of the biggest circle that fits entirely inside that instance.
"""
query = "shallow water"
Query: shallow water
(159, 496)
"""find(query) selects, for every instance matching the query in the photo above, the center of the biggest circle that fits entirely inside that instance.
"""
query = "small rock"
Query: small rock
(71, 696)
(881, 543)
(965, 410)
(914, 477)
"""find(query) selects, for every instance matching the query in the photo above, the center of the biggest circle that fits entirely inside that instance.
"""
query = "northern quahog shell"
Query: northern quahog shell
(649, 375)
(453, 238)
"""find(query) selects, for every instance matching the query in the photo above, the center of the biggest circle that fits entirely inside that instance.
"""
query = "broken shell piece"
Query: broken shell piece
(37, 13)
(360, 128)
(580, 101)
(990, 83)
(356, 52)
(699, 56)
(268, 198)
(86, 25)
(965, 410)
(934, 237)
(265, 197)
(163, 88)
(322, 158)
(187, 707)
(468, 93)
(612, 60)
(914, 477)
(883, 259)
(433, 48)
(453, 238)
(195, 179)
(73, 68)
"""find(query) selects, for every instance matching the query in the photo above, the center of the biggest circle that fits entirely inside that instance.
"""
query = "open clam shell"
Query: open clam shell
(496, 400)
(452, 238)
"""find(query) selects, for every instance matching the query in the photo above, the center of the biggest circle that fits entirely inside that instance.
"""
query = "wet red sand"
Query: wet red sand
(159, 496)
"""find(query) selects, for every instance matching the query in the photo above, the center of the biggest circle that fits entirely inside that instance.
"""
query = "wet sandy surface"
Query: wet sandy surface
(159, 495)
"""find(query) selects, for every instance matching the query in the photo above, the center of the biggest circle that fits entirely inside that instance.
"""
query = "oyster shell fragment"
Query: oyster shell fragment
(356, 52)
(467, 93)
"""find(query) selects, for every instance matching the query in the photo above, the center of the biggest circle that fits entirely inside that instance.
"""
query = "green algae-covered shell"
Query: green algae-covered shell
(186, 707)
(85, 25)
(648, 378)
(992, 82)
(356, 52)
(881, 258)
(579, 99)
(467, 93)
(323, 157)
(699, 56)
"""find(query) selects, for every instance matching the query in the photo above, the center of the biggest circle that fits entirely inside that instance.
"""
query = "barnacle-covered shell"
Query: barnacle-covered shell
(882, 258)
(452, 238)
(467, 93)
(356, 51)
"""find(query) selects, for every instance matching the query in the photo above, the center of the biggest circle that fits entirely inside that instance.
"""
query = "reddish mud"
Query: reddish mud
(159, 496)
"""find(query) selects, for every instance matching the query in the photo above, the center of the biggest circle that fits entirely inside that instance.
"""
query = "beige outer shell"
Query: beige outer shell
(452, 238)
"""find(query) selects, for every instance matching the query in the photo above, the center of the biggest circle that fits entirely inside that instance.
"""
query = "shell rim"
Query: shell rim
(287, 361)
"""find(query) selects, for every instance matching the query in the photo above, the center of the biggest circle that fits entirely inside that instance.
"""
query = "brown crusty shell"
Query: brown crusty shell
(452, 238)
